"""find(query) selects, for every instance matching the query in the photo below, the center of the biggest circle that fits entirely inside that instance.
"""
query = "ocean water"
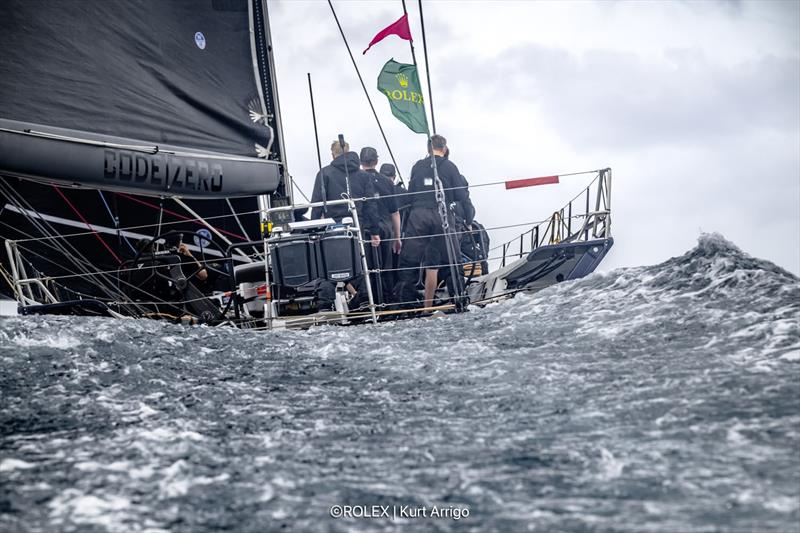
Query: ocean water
(658, 398)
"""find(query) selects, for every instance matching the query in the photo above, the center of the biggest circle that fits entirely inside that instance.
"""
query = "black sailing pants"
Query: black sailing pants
(424, 246)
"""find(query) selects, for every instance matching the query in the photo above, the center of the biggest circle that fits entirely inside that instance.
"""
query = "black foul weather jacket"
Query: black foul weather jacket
(453, 182)
(387, 204)
(361, 186)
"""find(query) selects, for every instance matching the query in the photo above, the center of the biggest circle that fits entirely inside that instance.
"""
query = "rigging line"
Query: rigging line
(134, 269)
(212, 228)
(174, 303)
(427, 70)
(516, 239)
(54, 243)
(74, 256)
(85, 273)
(144, 226)
(358, 72)
(443, 265)
(102, 229)
(488, 184)
(73, 274)
(115, 220)
(477, 231)
(108, 299)
(241, 226)
(533, 223)
(197, 220)
(445, 189)
(8, 277)
(323, 192)
(238, 221)
(294, 184)
(83, 219)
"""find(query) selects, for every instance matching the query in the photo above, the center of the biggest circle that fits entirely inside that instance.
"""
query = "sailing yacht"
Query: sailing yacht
(137, 135)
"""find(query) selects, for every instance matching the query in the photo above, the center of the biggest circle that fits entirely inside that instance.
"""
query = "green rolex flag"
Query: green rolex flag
(400, 83)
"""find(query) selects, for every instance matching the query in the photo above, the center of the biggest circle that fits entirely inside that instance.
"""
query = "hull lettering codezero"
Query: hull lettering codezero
(165, 171)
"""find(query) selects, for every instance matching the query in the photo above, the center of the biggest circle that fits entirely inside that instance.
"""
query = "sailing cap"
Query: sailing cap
(369, 155)
(388, 170)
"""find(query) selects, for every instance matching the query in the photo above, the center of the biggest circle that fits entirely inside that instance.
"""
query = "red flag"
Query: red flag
(531, 182)
(398, 27)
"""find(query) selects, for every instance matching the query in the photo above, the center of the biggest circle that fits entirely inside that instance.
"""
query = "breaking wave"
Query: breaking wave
(658, 398)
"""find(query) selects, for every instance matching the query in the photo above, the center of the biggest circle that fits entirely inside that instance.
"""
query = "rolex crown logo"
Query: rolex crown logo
(403, 80)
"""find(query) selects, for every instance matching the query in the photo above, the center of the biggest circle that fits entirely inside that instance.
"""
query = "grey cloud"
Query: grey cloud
(607, 98)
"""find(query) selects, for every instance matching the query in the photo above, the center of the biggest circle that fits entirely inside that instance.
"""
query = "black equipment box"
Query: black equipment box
(338, 257)
(295, 263)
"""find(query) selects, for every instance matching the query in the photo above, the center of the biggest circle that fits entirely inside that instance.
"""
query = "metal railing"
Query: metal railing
(23, 285)
(591, 211)
(270, 309)
(585, 217)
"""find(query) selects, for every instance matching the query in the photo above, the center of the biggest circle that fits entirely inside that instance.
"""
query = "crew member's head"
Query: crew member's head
(369, 158)
(336, 149)
(438, 145)
(388, 170)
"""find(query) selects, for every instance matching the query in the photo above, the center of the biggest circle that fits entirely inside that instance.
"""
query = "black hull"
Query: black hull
(541, 268)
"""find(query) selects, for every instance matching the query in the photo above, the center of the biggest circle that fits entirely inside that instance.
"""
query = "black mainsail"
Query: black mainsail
(120, 120)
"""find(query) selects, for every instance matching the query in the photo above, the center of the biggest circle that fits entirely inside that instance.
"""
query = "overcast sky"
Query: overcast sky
(694, 105)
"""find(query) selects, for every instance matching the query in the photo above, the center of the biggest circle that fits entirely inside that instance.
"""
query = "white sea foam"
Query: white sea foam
(166, 434)
(610, 466)
(783, 504)
(109, 511)
(735, 436)
(172, 340)
(177, 480)
(9, 465)
(791, 355)
(62, 342)
(267, 493)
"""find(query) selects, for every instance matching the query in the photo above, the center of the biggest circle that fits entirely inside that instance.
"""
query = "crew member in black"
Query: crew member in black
(425, 243)
(334, 178)
(403, 204)
(389, 222)
(401, 194)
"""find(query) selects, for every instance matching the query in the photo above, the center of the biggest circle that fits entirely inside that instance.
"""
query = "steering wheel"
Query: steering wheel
(162, 261)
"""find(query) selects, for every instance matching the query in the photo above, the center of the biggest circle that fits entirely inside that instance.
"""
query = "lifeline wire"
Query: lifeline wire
(257, 211)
